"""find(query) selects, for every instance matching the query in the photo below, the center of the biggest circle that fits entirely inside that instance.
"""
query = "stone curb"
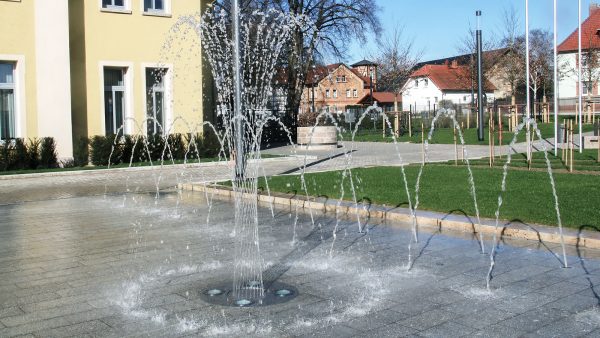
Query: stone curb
(428, 219)
(132, 169)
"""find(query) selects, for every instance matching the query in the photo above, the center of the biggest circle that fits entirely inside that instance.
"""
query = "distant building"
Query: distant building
(338, 86)
(86, 67)
(385, 100)
(492, 59)
(432, 83)
(568, 88)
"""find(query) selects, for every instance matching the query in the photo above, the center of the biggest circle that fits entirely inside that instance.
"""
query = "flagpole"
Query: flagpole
(580, 84)
(555, 84)
(527, 108)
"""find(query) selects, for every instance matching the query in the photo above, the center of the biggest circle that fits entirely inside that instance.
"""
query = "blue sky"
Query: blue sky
(438, 25)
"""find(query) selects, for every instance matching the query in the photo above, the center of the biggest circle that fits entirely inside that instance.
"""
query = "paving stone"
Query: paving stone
(392, 330)
(448, 329)
(534, 319)
(92, 328)
(334, 331)
(375, 320)
(126, 269)
(428, 319)
(482, 318)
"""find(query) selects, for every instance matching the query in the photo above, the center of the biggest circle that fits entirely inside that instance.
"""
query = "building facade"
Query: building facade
(338, 86)
(568, 88)
(431, 84)
(77, 68)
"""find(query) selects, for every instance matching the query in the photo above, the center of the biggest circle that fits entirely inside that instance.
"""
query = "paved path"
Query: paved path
(356, 154)
(135, 266)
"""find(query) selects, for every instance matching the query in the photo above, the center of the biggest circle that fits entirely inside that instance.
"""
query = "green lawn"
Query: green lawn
(586, 161)
(445, 188)
(446, 135)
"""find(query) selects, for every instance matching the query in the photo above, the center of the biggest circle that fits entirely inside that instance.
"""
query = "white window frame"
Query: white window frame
(125, 9)
(168, 94)
(348, 93)
(166, 12)
(355, 93)
(335, 95)
(327, 93)
(128, 118)
(19, 92)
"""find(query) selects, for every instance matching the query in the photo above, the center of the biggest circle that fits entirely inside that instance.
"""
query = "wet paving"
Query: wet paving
(133, 264)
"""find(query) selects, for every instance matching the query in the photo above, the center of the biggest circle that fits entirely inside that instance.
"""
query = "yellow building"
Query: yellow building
(76, 68)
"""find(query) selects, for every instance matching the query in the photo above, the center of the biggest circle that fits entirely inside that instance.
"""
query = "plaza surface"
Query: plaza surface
(103, 255)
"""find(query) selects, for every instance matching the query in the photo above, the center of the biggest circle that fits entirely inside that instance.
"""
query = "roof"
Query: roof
(319, 73)
(448, 78)
(589, 36)
(463, 59)
(364, 62)
(380, 97)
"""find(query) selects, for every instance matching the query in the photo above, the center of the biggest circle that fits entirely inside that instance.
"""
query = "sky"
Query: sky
(437, 26)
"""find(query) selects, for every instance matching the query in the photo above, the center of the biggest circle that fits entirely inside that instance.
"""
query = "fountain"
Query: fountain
(242, 51)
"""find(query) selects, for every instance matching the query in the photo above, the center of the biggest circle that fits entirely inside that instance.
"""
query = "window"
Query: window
(155, 100)
(426, 82)
(587, 87)
(417, 83)
(113, 4)
(327, 95)
(154, 5)
(348, 93)
(114, 100)
(355, 93)
(335, 93)
(7, 100)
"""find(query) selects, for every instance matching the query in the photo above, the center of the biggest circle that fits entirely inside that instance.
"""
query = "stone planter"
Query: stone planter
(323, 137)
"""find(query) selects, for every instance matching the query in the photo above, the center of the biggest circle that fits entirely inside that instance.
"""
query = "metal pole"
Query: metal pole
(555, 85)
(371, 86)
(580, 84)
(314, 74)
(479, 79)
(527, 107)
(237, 95)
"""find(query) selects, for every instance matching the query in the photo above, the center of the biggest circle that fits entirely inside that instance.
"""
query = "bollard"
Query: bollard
(423, 142)
(455, 148)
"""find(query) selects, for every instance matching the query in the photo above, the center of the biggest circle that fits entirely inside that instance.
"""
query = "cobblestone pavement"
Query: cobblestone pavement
(135, 265)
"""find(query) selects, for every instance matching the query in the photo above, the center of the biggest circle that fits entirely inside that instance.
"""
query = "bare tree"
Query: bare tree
(396, 59)
(540, 61)
(334, 24)
(512, 65)
(467, 45)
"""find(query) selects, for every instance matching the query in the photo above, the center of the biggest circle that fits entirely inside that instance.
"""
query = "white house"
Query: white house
(432, 83)
(568, 61)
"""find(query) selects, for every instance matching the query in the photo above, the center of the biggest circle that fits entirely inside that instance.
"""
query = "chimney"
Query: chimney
(454, 64)
(594, 7)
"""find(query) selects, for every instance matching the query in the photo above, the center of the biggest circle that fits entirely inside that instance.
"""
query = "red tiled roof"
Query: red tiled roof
(381, 97)
(446, 77)
(589, 36)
